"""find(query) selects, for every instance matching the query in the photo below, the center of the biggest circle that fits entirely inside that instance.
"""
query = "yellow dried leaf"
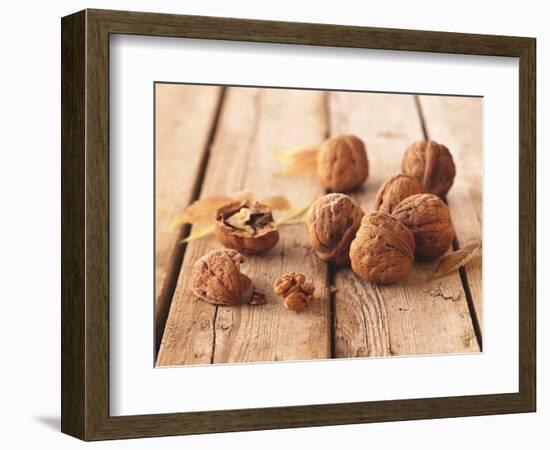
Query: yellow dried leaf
(292, 215)
(201, 211)
(300, 161)
(453, 261)
(199, 232)
(276, 202)
(245, 194)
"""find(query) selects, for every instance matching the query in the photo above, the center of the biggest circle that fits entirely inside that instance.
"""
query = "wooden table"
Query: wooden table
(216, 141)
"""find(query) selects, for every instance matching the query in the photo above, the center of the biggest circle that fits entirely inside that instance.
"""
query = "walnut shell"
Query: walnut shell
(342, 163)
(383, 249)
(246, 226)
(432, 164)
(216, 278)
(429, 219)
(397, 188)
(331, 223)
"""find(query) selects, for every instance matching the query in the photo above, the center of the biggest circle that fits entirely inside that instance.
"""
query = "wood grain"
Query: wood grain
(457, 122)
(253, 124)
(418, 315)
(184, 118)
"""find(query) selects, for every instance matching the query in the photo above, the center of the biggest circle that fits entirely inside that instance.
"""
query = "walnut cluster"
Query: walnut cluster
(331, 223)
(383, 249)
(246, 226)
(429, 219)
(216, 278)
(432, 164)
(295, 290)
(411, 221)
(342, 163)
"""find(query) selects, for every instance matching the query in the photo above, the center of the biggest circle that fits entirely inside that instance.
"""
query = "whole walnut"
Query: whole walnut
(331, 224)
(432, 164)
(397, 188)
(295, 290)
(383, 249)
(429, 219)
(342, 163)
(216, 278)
(246, 226)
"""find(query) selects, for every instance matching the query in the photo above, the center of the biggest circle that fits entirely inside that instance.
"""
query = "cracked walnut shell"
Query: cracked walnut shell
(246, 226)
(297, 293)
(331, 223)
(429, 219)
(432, 164)
(342, 163)
(383, 250)
(216, 278)
(397, 188)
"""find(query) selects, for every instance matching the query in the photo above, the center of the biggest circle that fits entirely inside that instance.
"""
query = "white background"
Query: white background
(30, 237)
(136, 387)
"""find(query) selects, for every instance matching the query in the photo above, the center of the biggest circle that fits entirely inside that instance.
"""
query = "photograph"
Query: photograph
(297, 224)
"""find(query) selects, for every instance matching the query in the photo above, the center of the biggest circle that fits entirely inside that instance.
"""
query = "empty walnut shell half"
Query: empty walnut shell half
(342, 163)
(429, 219)
(432, 164)
(397, 188)
(331, 223)
(383, 249)
(246, 226)
(216, 278)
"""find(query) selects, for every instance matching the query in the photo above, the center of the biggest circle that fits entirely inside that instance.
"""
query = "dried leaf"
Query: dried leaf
(299, 162)
(200, 211)
(292, 215)
(453, 261)
(244, 194)
(198, 232)
(276, 202)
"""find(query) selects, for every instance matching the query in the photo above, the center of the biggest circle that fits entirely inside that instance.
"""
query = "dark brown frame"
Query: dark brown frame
(85, 224)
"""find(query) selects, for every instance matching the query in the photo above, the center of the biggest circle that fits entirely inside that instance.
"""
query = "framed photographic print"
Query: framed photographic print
(270, 224)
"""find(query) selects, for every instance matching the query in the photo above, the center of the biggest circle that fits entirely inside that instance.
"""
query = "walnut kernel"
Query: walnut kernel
(296, 292)
(432, 164)
(342, 163)
(429, 219)
(383, 250)
(216, 278)
(331, 223)
(246, 226)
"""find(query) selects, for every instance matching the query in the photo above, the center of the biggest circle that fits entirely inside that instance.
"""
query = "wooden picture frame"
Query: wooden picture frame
(85, 224)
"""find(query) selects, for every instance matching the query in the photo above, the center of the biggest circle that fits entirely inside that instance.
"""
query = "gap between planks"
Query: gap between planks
(440, 118)
(163, 300)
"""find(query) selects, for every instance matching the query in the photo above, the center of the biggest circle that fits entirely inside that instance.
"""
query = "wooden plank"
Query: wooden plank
(457, 122)
(417, 315)
(184, 117)
(253, 123)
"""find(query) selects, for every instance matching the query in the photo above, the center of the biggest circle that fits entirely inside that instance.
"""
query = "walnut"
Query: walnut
(383, 250)
(297, 293)
(216, 278)
(432, 164)
(397, 188)
(429, 218)
(246, 226)
(342, 163)
(331, 224)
